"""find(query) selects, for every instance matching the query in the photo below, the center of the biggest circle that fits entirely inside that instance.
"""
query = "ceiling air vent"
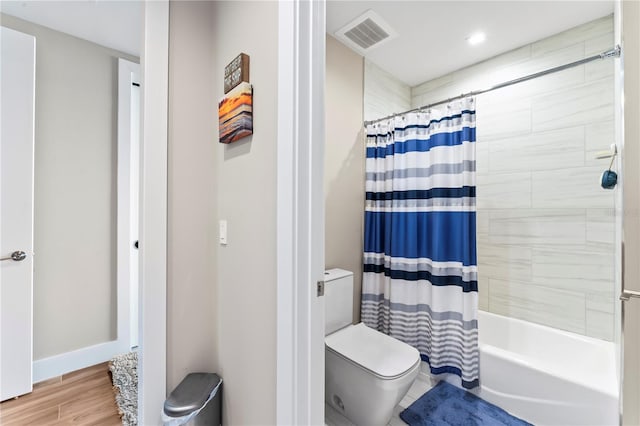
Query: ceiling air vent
(365, 32)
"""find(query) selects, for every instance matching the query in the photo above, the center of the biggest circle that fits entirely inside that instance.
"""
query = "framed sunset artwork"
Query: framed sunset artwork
(235, 113)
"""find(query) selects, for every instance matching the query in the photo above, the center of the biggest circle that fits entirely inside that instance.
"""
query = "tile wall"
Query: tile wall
(383, 93)
(546, 229)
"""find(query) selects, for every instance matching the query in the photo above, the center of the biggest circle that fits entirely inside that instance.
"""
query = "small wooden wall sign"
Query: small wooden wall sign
(236, 72)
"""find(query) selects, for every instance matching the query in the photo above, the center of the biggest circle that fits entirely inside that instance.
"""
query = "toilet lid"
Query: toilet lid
(375, 351)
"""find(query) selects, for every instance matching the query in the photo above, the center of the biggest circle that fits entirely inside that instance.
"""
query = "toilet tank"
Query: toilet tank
(338, 303)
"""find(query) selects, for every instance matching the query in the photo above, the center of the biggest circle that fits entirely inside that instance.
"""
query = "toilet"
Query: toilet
(367, 373)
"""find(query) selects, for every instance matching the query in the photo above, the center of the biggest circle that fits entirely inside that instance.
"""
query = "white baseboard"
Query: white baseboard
(58, 365)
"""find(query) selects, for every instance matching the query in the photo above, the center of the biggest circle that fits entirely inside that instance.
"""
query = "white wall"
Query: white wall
(192, 181)
(75, 191)
(383, 93)
(344, 164)
(546, 230)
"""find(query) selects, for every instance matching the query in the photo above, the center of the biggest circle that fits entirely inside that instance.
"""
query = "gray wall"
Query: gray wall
(246, 306)
(546, 230)
(75, 191)
(222, 299)
(191, 239)
(344, 163)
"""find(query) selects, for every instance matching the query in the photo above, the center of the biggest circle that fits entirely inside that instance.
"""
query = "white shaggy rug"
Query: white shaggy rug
(124, 375)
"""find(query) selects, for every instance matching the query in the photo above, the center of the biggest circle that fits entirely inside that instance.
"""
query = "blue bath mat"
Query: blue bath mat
(446, 404)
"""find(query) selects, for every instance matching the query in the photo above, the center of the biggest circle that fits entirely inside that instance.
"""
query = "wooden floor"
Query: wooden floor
(83, 397)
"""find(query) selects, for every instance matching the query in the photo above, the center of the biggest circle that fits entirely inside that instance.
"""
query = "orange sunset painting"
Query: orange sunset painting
(235, 113)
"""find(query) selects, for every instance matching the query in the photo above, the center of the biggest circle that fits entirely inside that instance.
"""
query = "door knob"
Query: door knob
(16, 256)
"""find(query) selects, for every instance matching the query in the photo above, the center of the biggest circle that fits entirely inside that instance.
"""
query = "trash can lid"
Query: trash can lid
(191, 394)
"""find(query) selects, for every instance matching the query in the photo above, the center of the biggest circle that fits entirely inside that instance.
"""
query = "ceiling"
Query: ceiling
(431, 39)
(431, 34)
(110, 23)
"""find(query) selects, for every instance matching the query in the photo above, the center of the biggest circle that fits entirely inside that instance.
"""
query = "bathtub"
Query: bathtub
(547, 376)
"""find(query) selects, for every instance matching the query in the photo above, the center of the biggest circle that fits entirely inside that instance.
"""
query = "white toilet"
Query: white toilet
(367, 372)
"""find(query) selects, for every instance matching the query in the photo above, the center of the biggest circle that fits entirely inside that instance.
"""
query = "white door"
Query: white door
(17, 73)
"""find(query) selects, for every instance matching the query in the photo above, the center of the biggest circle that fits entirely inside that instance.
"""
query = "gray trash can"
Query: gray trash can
(197, 401)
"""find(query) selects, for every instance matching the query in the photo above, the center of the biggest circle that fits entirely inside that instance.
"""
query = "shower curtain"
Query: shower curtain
(420, 271)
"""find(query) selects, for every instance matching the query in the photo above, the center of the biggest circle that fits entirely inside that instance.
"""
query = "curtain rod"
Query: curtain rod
(613, 53)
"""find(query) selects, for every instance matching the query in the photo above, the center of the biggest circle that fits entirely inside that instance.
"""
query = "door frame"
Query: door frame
(154, 63)
(630, 153)
(128, 74)
(300, 213)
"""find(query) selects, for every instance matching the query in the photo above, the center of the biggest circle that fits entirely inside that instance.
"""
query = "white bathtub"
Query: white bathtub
(547, 376)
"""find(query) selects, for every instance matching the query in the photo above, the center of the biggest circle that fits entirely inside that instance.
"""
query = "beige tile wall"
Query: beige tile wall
(546, 229)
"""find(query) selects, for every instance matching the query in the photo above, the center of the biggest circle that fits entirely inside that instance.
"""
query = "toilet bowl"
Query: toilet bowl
(367, 373)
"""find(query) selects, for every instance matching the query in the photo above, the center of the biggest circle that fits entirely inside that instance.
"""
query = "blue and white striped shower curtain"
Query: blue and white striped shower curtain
(420, 272)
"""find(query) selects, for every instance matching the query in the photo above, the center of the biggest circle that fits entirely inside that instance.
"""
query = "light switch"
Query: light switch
(223, 232)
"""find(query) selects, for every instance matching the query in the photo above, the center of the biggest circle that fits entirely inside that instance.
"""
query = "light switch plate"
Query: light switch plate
(223, 232)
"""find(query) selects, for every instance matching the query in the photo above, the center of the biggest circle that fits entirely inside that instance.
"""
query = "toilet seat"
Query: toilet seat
(381, 355)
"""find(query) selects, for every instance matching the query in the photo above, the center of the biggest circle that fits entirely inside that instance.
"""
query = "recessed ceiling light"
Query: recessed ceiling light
(476, 38)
